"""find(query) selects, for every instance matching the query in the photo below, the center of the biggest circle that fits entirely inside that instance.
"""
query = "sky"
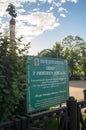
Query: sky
(45, 22)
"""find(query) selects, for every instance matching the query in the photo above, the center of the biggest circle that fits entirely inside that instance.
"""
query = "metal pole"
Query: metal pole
(72, 113)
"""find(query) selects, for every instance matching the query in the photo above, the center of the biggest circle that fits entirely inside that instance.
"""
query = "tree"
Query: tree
(71, 43)
(82, 47)
(47, 53)
(55, 52)
(12, 79)
(58, 49)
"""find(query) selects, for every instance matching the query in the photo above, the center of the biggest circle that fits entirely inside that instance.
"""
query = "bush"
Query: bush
(12, 80)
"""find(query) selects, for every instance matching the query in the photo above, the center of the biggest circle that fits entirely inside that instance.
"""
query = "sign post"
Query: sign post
(47, 82)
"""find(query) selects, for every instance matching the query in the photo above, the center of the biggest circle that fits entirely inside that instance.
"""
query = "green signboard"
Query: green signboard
(47, 82)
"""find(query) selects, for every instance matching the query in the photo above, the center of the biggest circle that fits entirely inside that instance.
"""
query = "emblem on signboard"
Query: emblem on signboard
(36, 61)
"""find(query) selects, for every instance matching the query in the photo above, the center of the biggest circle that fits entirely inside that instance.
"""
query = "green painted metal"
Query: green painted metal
(47, 82)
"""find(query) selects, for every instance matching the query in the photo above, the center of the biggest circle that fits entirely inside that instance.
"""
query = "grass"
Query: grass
(50, 125)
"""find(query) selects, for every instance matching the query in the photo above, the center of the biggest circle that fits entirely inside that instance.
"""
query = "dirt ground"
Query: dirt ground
(76, 89)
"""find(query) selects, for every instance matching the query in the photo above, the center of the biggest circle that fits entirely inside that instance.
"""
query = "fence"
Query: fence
(69, 118)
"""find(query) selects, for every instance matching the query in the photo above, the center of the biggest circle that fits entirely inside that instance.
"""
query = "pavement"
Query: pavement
(76, 89)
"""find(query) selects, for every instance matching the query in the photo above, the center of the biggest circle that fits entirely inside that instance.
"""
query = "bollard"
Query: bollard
(72, 113)
(84, 91)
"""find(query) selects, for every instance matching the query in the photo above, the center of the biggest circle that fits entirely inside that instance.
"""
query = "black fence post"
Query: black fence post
(72, 113)
(17, 124)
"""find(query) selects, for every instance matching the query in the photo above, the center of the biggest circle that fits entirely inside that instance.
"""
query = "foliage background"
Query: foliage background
(12, 78)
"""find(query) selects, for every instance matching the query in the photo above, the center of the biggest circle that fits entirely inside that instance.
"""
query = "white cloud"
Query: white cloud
(20, 11)
(35, 24)
(58, 4)
(51, 8)
(74, 1)
(50, 1)
(35, 10)
(64, 1)
(63, 15)
(61, 9)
